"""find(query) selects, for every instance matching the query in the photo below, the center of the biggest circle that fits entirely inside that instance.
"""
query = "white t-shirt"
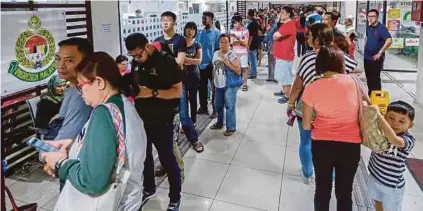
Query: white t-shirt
(219, 68)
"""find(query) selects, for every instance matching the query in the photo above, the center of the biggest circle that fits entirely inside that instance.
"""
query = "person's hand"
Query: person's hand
(145, 92)
(290, 110)
(51, 159)
(377, 56)
(64, 144)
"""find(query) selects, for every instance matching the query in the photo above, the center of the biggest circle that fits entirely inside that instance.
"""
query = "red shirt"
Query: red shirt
(352, 49)
(284, 48)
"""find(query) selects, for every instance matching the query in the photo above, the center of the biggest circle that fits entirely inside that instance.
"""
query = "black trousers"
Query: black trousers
(373, 70)
(206, 76)
(342, 156)
(301, 45)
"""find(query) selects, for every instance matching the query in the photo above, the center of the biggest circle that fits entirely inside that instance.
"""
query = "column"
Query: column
(419, 81)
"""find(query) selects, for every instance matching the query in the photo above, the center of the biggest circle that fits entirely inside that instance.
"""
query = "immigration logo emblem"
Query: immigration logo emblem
(35, 53)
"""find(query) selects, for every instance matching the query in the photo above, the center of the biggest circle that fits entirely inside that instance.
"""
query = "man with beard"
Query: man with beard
(209, 40)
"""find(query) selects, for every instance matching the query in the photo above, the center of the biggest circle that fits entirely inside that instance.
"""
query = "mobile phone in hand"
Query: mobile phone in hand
(41, 145)
(291, 120)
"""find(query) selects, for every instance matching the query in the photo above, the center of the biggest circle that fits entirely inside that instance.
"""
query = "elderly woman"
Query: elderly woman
(113, 136)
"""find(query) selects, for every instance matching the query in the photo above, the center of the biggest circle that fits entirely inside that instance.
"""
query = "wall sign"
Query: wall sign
(29, 47)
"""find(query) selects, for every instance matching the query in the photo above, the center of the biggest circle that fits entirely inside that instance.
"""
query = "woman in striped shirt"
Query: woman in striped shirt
(319, 34)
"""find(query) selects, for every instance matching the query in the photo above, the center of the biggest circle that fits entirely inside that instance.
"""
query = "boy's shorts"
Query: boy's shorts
(391, 198)
(244, 61)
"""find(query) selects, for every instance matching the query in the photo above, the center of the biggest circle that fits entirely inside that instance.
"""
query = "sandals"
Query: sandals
(198, 147)
(229, 132)
(216, 126)
(244, 88)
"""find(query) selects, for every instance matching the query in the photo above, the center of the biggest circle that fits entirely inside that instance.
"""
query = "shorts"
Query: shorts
(244, 61)
(283, 72)
(391, 198)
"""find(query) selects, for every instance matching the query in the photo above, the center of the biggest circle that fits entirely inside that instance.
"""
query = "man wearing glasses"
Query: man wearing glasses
(378, 41)
(157, 88)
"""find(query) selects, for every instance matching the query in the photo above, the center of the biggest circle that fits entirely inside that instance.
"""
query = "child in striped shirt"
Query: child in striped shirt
(386, 183)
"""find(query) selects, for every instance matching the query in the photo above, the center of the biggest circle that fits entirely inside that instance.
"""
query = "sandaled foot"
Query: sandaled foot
(244, 88)
(229, 132)
(216, 126)
(198, 147)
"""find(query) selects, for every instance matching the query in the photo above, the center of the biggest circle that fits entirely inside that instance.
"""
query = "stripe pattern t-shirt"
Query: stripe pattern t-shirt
(388, 167)
(307, 67)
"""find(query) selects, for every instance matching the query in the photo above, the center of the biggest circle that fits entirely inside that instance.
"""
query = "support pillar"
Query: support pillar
(419, 81)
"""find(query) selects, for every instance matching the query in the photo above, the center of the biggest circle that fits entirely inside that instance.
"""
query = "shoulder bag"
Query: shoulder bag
(71, 199)
(371, 136)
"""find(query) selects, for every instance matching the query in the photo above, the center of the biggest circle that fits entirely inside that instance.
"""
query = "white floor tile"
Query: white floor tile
(188, 202)
(292, 162)
(223, 206)
(411, 186)
(50, 205)
(270, 113)
(293, 139)
(267, 133)
(412, 203)
(219, 150)
(252, 188)
(261, 156)
(296, 195)
(202, 178)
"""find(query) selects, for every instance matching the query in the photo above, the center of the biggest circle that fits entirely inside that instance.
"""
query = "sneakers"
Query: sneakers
(279, 94)
(202, 112)
(146, 196)
(283, 100)
(213, 115)
(306, 180)
(174, 206)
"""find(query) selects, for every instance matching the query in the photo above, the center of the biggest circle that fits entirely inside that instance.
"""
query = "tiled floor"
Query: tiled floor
(255, 169)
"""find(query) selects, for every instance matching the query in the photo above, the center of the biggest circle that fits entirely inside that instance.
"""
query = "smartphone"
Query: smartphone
(41, 145)
(291, 120)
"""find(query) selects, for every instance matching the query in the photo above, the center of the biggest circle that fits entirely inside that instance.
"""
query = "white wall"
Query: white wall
(419, 82)
(105, 20)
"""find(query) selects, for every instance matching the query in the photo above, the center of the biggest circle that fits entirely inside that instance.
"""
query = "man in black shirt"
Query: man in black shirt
(157, 88)
(253, 43)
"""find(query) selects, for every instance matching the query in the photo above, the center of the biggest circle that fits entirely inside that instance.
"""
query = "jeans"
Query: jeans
(186, 120)
(344, 157)
(373, 70)
(305, 150)
(271, 63)
(301, 48)
(252, 61)
(226, 98)
(161, 135)
(206, 75)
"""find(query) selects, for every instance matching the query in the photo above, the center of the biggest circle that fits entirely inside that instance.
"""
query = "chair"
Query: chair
(33, 105)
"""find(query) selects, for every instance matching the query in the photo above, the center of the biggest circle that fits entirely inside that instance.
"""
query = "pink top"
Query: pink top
(335, 101)
(238, 49)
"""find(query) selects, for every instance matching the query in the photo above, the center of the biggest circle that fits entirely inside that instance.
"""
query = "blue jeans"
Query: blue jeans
(252, 61)
(186, 120)
(226, 98)
(305, 150)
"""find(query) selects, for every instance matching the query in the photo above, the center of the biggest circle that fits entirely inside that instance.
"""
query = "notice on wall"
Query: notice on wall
(412, 41)
(106, 27)
(397, 43)
(394, 25)
(29, 47)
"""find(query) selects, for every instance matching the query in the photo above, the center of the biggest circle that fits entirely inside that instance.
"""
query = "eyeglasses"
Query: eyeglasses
(372, 16)
(81, 84)
(138, 55)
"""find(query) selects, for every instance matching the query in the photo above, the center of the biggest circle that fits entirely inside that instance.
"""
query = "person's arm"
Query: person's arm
(296, 89)
(234, 64)
(197, 59)
(217, 41)
(75, 118)
(182, 52)
(389, 133)
(91, 172)
(388, 40)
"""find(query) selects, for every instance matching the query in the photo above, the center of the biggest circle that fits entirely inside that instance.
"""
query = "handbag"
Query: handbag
(368, 119)
(71, 199)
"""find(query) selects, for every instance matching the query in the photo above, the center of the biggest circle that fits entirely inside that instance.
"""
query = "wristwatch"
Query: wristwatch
(57, 166)
(155, 93)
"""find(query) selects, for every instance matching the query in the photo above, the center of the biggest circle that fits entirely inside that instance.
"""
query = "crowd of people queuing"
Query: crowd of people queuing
(111, 116)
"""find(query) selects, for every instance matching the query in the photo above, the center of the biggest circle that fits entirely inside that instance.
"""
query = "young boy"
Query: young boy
(386, 183)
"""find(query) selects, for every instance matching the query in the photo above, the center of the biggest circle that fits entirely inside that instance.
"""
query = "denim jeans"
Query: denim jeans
(252, 61)
(186, 120)
(305, 150)
(226, 98)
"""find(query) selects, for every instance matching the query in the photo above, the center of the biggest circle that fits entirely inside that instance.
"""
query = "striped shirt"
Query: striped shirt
(307, 67)
(388, 167)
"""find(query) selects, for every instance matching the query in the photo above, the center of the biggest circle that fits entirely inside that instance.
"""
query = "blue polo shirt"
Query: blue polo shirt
(376, 37)
(209, 40)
